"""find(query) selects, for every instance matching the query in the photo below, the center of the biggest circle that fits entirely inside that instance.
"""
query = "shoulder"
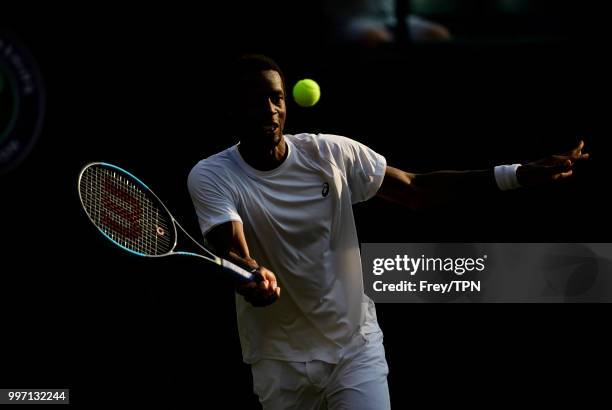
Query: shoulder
(324, 145)
(214, 169)
(318, 139)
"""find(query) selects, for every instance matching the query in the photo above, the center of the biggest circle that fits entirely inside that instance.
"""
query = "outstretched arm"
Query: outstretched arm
(422, 191)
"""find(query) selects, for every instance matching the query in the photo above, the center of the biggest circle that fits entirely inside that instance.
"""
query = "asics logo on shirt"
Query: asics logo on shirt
(325, 189)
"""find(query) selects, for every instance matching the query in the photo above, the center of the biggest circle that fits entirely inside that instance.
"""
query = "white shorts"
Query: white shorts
(357, 382)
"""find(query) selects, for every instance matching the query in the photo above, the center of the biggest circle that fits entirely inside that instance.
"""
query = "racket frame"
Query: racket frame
(236, 270)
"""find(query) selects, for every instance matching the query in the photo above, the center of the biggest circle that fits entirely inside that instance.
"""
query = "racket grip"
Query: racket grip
(237, 271)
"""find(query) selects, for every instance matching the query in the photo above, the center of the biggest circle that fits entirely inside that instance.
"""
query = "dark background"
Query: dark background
(142, 87)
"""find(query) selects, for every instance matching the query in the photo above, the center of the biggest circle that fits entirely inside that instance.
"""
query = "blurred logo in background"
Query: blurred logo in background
(22, 102)
(578, 272)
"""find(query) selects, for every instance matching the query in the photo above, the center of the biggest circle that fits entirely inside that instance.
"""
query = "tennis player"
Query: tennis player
(283, 203)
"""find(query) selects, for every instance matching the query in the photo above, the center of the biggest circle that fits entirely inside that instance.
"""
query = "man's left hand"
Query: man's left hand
(551, 169)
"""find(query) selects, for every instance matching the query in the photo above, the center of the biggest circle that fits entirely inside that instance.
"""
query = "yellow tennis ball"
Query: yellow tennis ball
(306, 92)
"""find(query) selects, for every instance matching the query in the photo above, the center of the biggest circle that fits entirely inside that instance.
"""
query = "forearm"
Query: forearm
(442, 187)
(422, 191)
(228, 242)
(241, 260)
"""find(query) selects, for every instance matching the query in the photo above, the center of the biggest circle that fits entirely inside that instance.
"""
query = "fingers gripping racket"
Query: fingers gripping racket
(132, 217)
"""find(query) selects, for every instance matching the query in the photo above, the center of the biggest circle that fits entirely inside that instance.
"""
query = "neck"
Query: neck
(264, 159)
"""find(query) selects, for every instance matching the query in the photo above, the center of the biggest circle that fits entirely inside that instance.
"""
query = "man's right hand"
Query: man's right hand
(228, 241)
(263, 291)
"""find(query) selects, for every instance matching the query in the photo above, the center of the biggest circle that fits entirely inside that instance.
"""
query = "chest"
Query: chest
(292, 196)
(300, 205)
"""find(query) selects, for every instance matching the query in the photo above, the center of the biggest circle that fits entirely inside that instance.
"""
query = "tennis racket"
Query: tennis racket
(132, 217)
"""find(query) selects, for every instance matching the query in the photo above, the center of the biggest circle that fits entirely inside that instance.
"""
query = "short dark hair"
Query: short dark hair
(248, 64)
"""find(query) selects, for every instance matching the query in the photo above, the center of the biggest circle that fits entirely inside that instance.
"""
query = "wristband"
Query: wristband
(505, 176)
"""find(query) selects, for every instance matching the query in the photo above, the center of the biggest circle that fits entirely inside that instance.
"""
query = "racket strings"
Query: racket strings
(123, 212)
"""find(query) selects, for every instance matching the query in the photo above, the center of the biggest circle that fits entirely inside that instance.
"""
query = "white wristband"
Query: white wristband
(505, 176)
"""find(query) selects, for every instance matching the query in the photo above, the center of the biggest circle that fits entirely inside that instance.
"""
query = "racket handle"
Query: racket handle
(237, 271)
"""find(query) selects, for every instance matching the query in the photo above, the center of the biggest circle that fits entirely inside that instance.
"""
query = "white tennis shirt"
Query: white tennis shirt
(298, 222)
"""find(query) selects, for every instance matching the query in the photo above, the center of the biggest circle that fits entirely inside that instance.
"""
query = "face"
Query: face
(260, 109)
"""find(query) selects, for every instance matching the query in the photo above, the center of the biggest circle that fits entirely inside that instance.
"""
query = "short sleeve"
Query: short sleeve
(212, 199)
(365, 168)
